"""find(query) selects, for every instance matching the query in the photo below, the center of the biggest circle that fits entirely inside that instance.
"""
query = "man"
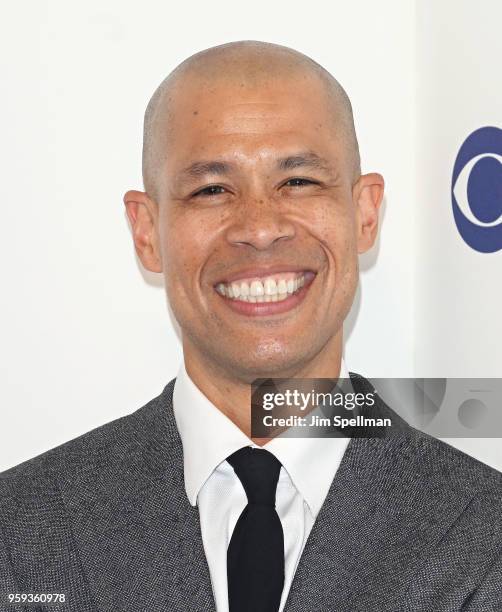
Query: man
(255, 210)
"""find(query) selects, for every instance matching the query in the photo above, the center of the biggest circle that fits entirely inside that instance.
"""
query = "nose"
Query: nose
(259, 224)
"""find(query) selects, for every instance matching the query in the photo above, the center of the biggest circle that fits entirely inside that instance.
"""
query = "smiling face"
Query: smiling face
(258, 224)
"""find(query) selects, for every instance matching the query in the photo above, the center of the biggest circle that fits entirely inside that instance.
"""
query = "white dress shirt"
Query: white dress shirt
(209, 437)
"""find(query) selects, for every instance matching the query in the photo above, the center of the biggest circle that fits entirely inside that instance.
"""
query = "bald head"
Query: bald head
(243, 64)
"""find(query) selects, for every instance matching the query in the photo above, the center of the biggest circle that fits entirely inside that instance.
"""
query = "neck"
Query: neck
(231, 394)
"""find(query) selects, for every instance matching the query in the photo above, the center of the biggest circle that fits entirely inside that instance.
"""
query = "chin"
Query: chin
(274, 361)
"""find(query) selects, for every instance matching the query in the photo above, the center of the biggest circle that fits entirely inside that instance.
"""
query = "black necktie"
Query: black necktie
(255, 556)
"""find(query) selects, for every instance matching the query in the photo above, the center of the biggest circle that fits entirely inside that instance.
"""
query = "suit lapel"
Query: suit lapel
(138, 537)
(388, 506)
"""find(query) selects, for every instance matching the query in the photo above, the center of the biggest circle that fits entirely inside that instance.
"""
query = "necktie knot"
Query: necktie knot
(258, 470)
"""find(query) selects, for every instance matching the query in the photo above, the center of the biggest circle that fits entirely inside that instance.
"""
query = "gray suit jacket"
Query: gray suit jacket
(409, 524)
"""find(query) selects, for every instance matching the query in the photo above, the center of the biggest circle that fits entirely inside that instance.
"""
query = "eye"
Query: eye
(298, 182)
(210, 190)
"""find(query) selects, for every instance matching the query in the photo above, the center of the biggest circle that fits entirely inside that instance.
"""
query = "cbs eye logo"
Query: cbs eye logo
(476, 190)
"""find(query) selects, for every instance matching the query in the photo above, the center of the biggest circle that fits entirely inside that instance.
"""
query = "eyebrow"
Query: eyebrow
(201, 168)
(307, 159)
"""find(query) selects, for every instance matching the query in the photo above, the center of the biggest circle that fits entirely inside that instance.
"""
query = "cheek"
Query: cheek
(333, 224)
(328, 214)
(180, 251)
(346, 272)
(346, 264)
(186, 247)
(336, 231)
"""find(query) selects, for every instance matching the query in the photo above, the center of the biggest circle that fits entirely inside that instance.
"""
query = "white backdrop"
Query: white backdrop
(458, 291)
(86, 333)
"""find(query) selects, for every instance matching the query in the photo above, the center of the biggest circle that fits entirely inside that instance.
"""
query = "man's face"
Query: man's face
(257, 228)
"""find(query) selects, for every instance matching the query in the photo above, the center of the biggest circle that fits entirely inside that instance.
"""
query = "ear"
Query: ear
(367, 194)
(143, 217)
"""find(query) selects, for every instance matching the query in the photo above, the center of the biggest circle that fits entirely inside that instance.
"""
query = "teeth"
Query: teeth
(256, 289)
(269, 289)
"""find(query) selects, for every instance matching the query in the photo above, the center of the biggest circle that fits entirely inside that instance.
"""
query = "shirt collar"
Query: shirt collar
(209, 437)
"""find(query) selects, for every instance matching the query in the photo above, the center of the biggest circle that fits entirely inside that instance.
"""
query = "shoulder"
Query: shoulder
(432, 460)
(37, 479)
(454, 464)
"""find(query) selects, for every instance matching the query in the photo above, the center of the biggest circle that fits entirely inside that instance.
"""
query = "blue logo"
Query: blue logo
(476, 190)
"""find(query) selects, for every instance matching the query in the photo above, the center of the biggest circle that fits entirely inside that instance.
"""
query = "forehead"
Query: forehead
(228, 117)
